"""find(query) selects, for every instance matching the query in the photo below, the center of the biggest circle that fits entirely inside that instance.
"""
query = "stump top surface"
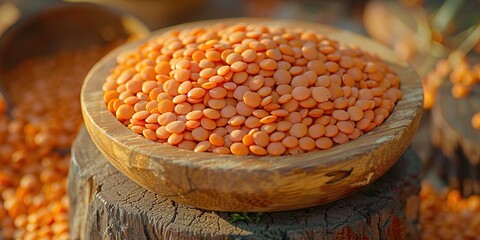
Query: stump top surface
(129, 211)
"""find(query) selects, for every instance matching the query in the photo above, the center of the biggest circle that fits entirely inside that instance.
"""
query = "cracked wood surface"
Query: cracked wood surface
(107, 205)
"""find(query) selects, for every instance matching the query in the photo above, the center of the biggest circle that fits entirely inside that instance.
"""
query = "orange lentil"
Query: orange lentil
(476, 120)
(237, 135)
(208, 124)
(340, 138)
(175, 127)
(216, 139)
(165, 105)
(355, 113)
(257, 150)
(294, 117)
(268, 64)
(252, 122)
(268, 119)
(331, 130)
(316, 131)
(149, 134)
(275, 148)
(269, 127)
(217, 103)
(298, 130)
(196, 93)
(179, 99)
(261, 138)
(324, 143)
(300, 80)
(238, 66)
(363, 123)
(340, 103)
(194, 115)
(341, 115)
(332, 67)
(211, 113)
(202, 146)
(300, 93)
(191, 124)
(188, 145)
(140, 115)
(162, 133)
(125, 112)
(277, 136)
(183, 108)
(378, 119)
(316, 113)
(370, 127)
(381, 111)
(248, 139)
(290, 141)
(321, 94)
(274, 91)
(306, 143)
(282, 76)
(239, 149)
(345, 126)
(252, 99)
(166, 118)
(200, 134)
(221, 150)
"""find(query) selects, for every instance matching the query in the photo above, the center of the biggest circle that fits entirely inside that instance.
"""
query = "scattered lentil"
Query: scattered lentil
(46, 116)
(445, 214)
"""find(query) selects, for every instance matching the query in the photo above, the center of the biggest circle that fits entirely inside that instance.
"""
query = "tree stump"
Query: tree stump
(457, 142)
(107, 205)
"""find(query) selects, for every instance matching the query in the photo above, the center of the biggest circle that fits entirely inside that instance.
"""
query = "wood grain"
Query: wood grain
(234, 183)
(107, 205)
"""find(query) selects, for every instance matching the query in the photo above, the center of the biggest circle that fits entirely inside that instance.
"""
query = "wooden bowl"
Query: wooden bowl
(249, 183)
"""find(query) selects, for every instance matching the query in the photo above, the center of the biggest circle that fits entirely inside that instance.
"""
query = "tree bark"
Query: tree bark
(107, 205)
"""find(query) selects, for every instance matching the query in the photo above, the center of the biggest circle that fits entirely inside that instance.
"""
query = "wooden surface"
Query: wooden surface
(457, 141)
(107, 205)
(234, 183)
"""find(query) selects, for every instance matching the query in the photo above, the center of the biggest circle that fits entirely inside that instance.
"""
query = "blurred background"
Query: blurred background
(440, 38)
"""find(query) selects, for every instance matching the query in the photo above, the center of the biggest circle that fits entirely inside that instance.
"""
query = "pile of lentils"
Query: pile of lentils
(250, 89)
(35, 143)
(446, 214)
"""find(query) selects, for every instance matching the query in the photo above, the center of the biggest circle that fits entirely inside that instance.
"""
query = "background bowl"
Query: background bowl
(65, 26)
(249, 183)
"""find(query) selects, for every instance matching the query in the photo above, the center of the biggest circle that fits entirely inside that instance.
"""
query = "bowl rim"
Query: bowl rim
(139, 147)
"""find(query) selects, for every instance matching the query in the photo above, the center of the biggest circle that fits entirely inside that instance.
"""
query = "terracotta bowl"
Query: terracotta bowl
(249, 183)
